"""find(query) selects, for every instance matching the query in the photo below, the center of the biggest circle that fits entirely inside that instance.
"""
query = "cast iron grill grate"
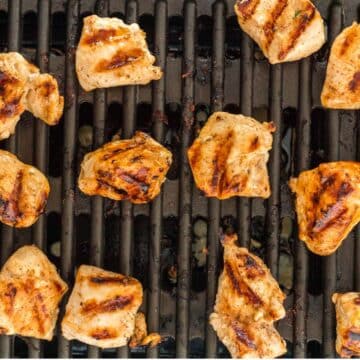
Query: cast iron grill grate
(210, 65)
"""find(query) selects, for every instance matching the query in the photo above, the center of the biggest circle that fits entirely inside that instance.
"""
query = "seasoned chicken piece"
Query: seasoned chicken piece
(248, 301)
(111, 53)
(23, 192)
(327, 204)
(285, 30)
(131, 169)
(102, 308)
(22, 87)
(229, 157)
(342, 85)
(348, 324)
(30, 293)
(140, 336)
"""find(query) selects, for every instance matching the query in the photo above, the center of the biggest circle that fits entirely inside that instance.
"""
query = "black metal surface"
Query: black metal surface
(209, 65)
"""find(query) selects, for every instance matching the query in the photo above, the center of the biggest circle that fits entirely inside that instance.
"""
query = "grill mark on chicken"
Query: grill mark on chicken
(117, 303)
(243, 337)
(103, 184)
(120, 59)
(270, 25)
(253, 269)
(300, 25)
(112, 280)
(255, 143)
(9, 298)
(354, 84)
(102, 334)
(137, 180)
(104, 35)
(347, 42)
(9, 209)
(357, 301)
(5, 81)
(240, 287)
(10, 109)
(331, 216)
(247, 8)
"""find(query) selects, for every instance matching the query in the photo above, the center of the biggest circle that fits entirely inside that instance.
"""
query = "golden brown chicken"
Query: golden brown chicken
(327, 204)
(248, 301)
(348, 324)
(22, 87)
(230, 155)
(30, 293)
(342, 85)
(131, 169)
(111, 53)
(102, 309)
(23, 192)
(285, 30)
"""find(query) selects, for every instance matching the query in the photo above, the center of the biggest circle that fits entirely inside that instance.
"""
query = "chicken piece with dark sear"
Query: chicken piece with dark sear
(112, 53)
(132, 169)
(327, 204)
(24, 191)
(22, 87)
(103, 309)
(30, 293)
(348, 324)
(248, 302)
(342, 84)
(230, 156)
(285, 30)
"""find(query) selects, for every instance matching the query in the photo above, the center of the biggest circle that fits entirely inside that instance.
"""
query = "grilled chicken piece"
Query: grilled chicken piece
(23, 192)
(131, 169)
(348, 324)
(22, 87)
(102, 308)
(229, 157)
(285, 30)
(30, 293)
(248, 301)
(140, 336)
(111, 53)
(342, 85)
(327, 204)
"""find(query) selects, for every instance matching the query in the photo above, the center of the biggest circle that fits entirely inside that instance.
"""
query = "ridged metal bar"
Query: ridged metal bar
(7, 232)
(41, 136)
(128, 128)
(69, 159)
(303, 137)
(246, 102)
(329, 262)
(217, 91)
(273, 204)
(159, 99)
(185, 193)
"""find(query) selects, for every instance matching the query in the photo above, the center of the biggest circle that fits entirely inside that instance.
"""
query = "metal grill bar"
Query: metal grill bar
(273, 204)
(128, 127)
(41, 136)
(246, 103)
(329, 262)
(185, 193)
(156, 206)
(7, 232)
(303, 136)
(217, 100)
(69, 171)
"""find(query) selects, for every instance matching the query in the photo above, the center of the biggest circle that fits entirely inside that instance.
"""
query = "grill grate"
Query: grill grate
(210, 65)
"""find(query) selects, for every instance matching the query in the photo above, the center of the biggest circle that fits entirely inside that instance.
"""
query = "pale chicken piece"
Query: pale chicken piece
(348, 324)
(140, 336)
(230, 155)
(248, 301)
(102, 308)
(132, 169)
(22, 87)
(285, 30)
(30, 293)
(327, 204)
(342, 84)
(24, 191)
(111, 53)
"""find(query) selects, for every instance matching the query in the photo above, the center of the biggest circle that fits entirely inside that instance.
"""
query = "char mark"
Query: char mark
(243, 337)
(120, 59)
(247, 8)
(347, 42)
(333, 215)
(301, 22)
(117, 303)
(354, 84)
(102, 334)
(111, 280)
